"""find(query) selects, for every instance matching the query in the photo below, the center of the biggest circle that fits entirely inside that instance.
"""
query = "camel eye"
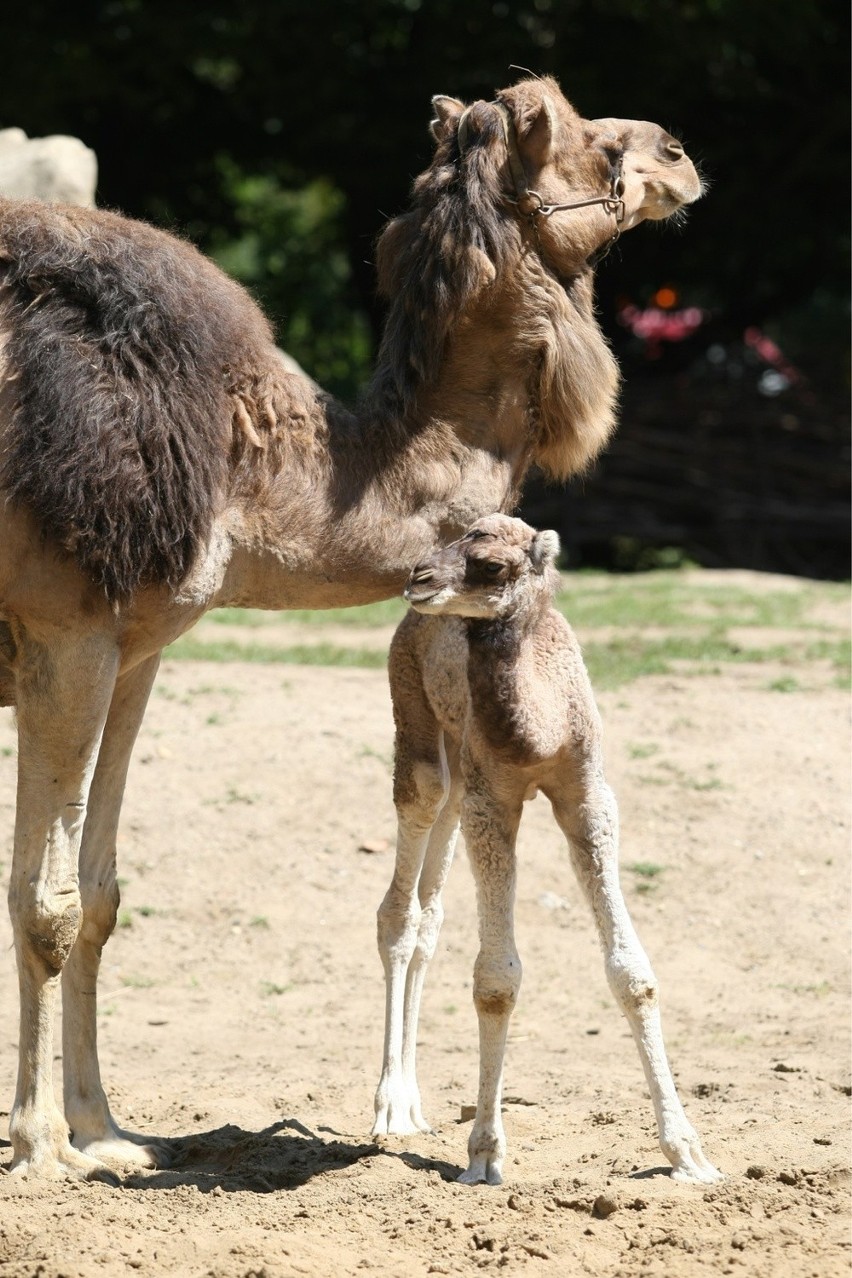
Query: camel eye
(492, 568)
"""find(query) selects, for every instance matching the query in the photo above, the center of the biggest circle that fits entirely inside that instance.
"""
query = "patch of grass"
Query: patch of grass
(367, 752)
(146, 910)
(269, 989)
(695, 617)
(234, 795)
(628, 657)
(669, 598)
(216, 689)
(837, 651)
(639, 751)
(646, 869)
(137, 982)
(125, 919)
(816, 991)
(786, 683)
(647, 875)
(321, 654)
(387, 612)
(260, 921)
(669, 774)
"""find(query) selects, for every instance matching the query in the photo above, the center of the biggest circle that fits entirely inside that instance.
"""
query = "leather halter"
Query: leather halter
(529, 203)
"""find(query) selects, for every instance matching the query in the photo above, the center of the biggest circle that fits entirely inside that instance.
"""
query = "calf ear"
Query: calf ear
(447, 114)
(544, 549)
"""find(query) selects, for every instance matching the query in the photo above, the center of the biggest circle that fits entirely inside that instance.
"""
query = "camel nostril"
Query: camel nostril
(674, 150)
(419, 575)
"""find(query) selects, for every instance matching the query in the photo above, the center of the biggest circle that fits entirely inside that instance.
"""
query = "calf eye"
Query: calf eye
(492, 568)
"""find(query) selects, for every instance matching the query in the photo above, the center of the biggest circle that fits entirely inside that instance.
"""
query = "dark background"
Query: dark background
(280, 135)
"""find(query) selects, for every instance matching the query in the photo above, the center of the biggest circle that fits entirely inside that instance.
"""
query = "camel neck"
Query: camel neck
(350, 509)
(342, 524)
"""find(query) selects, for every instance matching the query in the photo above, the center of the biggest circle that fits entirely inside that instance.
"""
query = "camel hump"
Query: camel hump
(124, 349)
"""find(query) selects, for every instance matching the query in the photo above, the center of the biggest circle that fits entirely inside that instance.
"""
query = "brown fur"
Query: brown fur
(156, 461)
(138, 376)
(491, 703)
(143, 389)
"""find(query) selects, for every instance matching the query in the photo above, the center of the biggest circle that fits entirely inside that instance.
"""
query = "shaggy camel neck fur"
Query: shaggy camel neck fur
(492, 702)
(157, 461)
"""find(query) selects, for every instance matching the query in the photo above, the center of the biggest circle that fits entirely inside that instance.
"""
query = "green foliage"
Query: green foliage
(193, 108)
(287, 249)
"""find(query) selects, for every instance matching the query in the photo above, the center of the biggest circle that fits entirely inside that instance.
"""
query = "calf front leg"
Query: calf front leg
(490, 830)
(591, 826)
(63, 690)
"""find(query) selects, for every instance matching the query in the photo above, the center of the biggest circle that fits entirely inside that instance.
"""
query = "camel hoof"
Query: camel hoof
(400, 1117)
(691, 1167)
(126, 1148)
(68, 1164)
(483, 1171)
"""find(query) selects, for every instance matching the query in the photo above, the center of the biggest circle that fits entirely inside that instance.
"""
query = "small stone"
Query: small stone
(374, 846)
(788, 1178)
(466, 1113)
(755, 1172)
(604, 1205)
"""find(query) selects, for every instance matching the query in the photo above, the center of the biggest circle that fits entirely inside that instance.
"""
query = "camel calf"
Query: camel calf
(492, 703)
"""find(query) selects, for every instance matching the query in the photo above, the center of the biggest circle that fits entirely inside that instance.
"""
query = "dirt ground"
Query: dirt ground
(242, 1001)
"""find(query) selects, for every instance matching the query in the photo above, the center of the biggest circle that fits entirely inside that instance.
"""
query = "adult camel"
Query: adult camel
(156, 460)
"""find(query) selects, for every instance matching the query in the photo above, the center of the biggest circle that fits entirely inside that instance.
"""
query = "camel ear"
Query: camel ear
(539, 136)
(448, 112)
(544, 550)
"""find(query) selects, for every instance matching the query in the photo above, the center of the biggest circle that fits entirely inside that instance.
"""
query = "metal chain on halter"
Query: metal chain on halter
(535, 204)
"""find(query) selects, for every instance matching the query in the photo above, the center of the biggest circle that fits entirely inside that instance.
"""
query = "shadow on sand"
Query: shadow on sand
(284, 1155)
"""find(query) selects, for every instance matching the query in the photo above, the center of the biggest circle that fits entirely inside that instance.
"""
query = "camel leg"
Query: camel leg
(436, 866)
(490, 830)
(93, 1129)
(409, 921)
(591, 826)
(63, 691)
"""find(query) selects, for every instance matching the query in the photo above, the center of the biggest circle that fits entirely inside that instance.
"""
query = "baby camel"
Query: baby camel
(492, 702)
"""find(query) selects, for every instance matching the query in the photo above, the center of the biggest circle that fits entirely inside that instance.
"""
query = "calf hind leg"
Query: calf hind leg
(409, 921)
(591, 826)
(490, 830)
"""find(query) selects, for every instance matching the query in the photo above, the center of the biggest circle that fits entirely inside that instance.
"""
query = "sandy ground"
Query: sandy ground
(242, 1001)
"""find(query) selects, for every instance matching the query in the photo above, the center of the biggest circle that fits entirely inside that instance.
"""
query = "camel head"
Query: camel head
(521, 200)
(498, 568)
(577, 183)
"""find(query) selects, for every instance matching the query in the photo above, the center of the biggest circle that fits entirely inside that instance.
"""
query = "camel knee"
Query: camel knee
(496, 984)
(420, 791)
(100, 902)
(632, 982)
(46, 924)
(397, 924)
(429, 928)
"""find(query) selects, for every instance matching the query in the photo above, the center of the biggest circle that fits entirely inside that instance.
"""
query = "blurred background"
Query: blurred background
(280, 135)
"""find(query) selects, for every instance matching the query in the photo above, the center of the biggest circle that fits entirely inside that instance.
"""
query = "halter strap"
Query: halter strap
(528, 202)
